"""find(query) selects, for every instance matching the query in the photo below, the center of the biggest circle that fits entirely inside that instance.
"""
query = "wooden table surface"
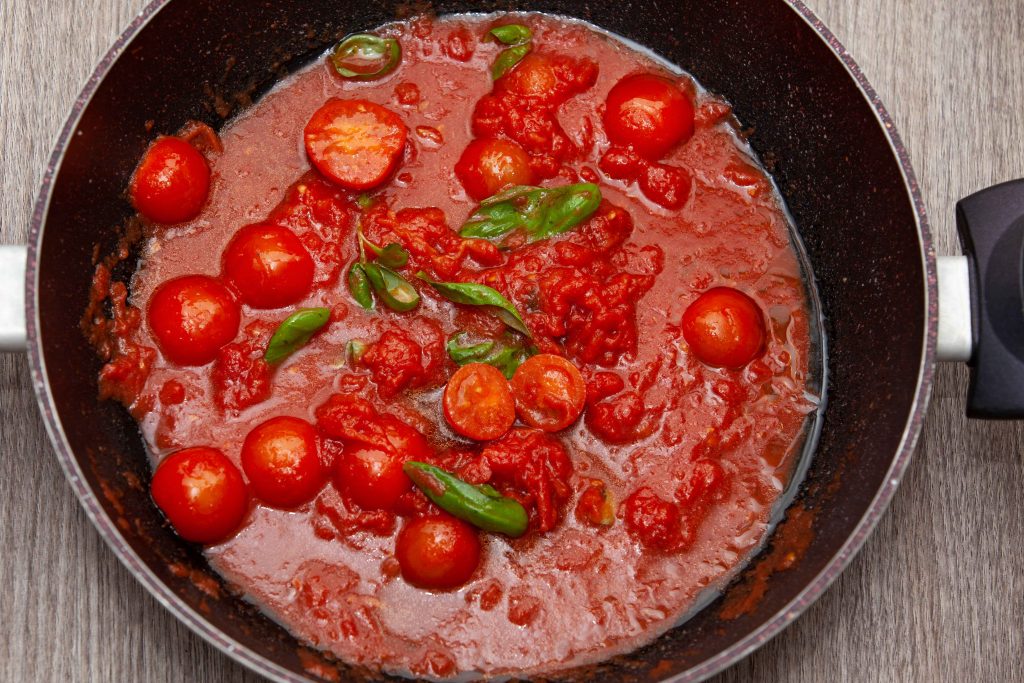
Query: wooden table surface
(937, 594)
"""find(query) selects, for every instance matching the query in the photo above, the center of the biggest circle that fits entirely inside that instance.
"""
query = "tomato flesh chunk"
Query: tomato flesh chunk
(268, 265)
(437, 552)
(355, 143)
(202, 494)
(171, 182)
(478, 402)
(649, 113)
(549, 391)
(281, 458)
(192, 317)
(725, 328)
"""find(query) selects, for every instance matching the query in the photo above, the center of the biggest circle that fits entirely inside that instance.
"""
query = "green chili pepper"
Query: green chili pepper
(538, 211)
(472, 294)
(364, 57)
(508, 58)
(365, 201)
(355, 349)
(481, 506)
(507, 358)
(511, 34)
(294, 332)
(393, 289)
(359, 285)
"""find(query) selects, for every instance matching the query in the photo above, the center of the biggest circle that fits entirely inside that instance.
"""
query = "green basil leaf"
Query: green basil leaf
(295, 332)
(540, 212)
(467, 354)
(511, 34)
(393, 255)
(359, 285)
(508, 58)
(481, 506)
(363, 56)
(507, 357)
(393, 289)
(472, 294)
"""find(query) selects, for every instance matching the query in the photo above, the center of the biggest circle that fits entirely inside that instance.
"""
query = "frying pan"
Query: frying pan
(816, 124)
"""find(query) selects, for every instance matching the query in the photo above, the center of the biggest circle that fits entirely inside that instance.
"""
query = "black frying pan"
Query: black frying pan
(818, 127)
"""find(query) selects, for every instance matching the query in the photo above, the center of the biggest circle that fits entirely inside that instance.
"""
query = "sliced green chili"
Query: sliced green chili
(294, 332)
(473, 294)
(363, 56)
(508, 58)
(359, 285)
(511, 34)
(393, 289)
(539, 212)
(481, 506)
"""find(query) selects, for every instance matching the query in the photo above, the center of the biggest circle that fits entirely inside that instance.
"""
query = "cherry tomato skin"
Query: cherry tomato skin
(371, 477)
(478, 402)
(649, 113)
(355, 143)
(281, 459)
(202, 493)
(268, 265)
(437, 552)
(549, 391)
(192, 317)
(490, 165)
(725, 328)
(171, 182)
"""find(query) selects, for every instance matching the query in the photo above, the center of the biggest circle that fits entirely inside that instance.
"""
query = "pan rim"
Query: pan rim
(263, 666)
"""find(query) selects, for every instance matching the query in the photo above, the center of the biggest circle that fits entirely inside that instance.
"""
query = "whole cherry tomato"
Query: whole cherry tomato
(171, 182)
(550, 392)
(649, 113)
(192, 317)
(478, 402)
(490, 165)
(437, 552)
(268, 266)
(724, 328)
(202, 494)
(371, 477)
(355, 143)
(281, 458)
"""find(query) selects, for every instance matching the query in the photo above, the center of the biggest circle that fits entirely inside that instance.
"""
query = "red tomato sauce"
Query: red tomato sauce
(660, 491)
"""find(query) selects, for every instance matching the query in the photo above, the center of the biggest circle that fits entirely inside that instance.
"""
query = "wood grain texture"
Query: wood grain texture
(936, 595)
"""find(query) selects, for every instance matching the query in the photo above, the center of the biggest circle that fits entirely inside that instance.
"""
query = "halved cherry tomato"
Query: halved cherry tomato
(202, 494)
(171, 182)
(649, 113)
(489, 165)
(724, 328)
(550, 392)
(281, 458)
(478, 402)
(438, 552)
(534, 76)
(268, 265)
(192, 317)
(355, 143)
(371, 477)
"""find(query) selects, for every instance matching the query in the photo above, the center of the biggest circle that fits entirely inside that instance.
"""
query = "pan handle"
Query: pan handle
(13, 261)
(981, 300)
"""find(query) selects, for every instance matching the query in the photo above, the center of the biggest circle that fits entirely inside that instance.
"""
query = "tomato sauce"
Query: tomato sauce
(660, 491)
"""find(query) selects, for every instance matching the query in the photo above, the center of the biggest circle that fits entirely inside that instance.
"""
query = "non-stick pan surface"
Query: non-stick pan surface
(811, 116)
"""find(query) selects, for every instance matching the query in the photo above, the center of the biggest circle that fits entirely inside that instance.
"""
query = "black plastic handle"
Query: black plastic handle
(991, 227)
